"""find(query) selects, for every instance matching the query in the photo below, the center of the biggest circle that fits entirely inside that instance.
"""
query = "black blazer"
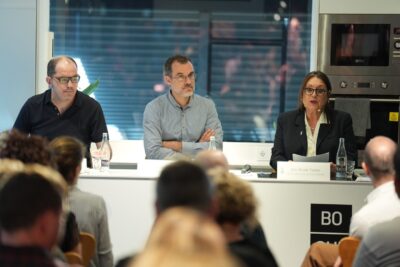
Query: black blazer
(290, 136)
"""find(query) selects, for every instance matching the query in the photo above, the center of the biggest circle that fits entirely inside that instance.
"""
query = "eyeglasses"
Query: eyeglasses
(318, 91)
(65, 80)
(182, 78)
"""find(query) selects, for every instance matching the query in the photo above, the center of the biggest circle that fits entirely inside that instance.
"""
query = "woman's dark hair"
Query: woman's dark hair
(324, 78)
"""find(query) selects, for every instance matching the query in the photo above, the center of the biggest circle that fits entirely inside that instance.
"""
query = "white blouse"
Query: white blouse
(312, 138)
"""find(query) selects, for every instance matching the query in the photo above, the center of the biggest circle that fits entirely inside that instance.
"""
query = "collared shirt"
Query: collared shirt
(25, 256)
(382, 205)
(312, 138)
(83, 120)
(165, 120)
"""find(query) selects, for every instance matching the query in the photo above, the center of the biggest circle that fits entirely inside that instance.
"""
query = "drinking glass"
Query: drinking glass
(96, 159)
(350, 169)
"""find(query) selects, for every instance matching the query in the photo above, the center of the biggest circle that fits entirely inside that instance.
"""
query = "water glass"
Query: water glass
(96, 159)
(350, 169)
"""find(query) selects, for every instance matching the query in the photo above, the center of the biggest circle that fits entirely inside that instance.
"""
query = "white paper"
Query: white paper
(318, 158)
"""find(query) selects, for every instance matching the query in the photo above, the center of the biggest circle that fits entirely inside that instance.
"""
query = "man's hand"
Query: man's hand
(205, 137)
(174, 145)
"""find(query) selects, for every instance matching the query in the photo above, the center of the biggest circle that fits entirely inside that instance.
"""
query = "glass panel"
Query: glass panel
(252, 71)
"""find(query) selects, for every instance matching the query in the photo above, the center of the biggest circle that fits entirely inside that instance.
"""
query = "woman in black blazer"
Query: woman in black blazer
(314, 128)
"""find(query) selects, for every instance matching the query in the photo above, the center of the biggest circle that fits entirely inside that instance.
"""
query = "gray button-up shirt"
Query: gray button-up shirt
(165, 120)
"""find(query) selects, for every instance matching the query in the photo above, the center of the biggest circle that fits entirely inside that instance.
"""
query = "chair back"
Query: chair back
(347, 250)
(73, 257)
(88, 243)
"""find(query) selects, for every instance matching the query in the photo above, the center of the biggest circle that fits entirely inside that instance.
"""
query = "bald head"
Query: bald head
(209, 159)
(379, 154)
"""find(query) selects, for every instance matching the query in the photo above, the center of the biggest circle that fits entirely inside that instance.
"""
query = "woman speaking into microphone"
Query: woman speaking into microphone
(314, 128)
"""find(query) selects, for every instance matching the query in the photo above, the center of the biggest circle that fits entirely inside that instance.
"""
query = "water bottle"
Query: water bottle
(105, 153)
(341, 161)
(212, 145)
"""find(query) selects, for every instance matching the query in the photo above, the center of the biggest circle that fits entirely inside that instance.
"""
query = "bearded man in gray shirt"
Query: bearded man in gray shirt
(179, 122)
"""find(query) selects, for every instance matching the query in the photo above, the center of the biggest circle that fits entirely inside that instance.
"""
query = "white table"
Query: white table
(284, 209)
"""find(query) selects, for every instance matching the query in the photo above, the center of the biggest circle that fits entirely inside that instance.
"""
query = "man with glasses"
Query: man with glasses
(62, 109)
(179, 122)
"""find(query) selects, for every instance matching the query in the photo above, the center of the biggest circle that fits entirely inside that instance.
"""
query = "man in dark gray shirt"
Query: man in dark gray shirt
(179, 122)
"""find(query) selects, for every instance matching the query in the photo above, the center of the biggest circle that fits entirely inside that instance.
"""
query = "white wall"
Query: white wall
(18, 57)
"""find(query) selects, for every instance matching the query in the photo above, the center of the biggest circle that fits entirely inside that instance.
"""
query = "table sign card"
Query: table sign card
(304, 171)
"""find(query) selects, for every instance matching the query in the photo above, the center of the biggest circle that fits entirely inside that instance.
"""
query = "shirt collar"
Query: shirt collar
(77, 100)
(173, 101)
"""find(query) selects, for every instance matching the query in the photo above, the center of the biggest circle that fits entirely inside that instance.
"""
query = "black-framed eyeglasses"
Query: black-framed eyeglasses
(65, 80)
(318, 91)
(182, 78)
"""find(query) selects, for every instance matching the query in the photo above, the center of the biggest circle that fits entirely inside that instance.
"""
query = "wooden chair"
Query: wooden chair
(88, 243)
(73, 257)
(347, 250)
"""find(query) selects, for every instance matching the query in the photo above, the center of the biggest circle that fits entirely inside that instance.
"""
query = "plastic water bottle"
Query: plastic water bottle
(212, 145)
(341, 161)
(105, 153)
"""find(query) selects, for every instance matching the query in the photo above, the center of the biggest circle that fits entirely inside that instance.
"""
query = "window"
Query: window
(250, 63)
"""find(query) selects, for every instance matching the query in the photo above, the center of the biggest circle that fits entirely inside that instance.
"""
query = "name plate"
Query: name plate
(304, 171)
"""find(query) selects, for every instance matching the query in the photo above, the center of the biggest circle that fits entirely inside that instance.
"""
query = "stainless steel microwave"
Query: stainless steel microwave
(360, 53)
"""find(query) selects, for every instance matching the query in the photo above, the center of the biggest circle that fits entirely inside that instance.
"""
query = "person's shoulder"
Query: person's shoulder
(86, 98)
(203, 100)
(289, 115)
(38, 99)
(157, 104)
(159, 100)
(87, 197)
(386, 232)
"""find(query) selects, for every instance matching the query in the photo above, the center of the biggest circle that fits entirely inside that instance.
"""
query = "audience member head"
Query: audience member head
(209, 159)
(378, 159)
(26, 148)
(236, 199)
(68, 153)
(31, 206)
(184, 237)
(183, 183)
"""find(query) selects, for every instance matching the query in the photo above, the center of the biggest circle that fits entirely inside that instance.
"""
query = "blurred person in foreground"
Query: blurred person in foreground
(35, 149)
(183, 237)
(89, 209)
(63, 109)
(314, 128)
(380, 246)
(183, 184)
(210, 159)
(238, 205)
(382, 203)
(180, 121)
(31, 209)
